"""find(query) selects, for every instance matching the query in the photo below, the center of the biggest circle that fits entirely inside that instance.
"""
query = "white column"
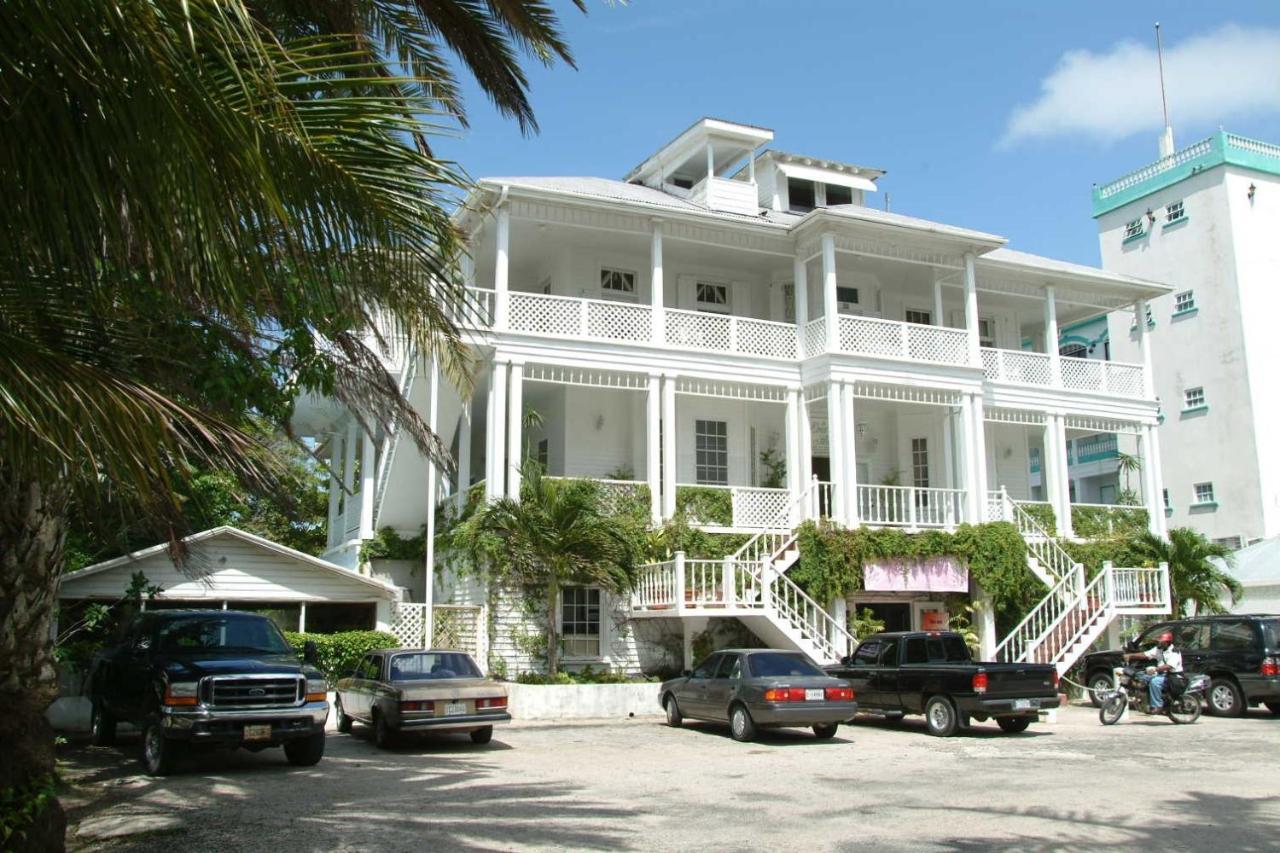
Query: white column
(711, 162)
(938, 319)
(515, 429)
(497, 437)
(791, 434)
(948, 448)
(656, 295)
(980, 448)
(302, 617)
(368, 477)
(829, 292)
(977, 502)
(971, 310)
(1049, 469)
(1065, 528)
(849, 423)
(1157, 522)
(433, 489)
(668, 446)
(835, 450)
(800, 276)
(1144, 347)
(501, 268)
(653, 462)
(464, 454)
(1051, 337)
(751, 168)
(805, 475)
(335, 485)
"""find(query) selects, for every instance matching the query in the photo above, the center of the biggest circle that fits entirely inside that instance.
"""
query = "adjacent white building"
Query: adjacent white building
(1205, 219)
(732, 319)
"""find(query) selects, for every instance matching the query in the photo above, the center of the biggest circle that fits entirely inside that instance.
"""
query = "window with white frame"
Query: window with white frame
(1164, 493)
(617, 284)
(986, 332)
(802, 195)
(920, 468)
(847, 300)
(711, 452)
(1073, 351)
(838, 195)
(580, 621)
(1232, 542)
(1193, 398)
(1184, 302)
(712, 296)
(1133, 228)
(924, 318)
(1204, 493)
(1174, 211)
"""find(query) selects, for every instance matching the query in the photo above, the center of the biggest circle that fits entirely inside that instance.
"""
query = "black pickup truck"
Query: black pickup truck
(932, 673)
(217, 677)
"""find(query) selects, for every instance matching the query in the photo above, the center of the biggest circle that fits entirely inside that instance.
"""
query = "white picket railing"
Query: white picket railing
(655, 587)
(730, 333)
(910, 506)
(1049, 556)
(894, 339)
(1138, 590)
(472, 308)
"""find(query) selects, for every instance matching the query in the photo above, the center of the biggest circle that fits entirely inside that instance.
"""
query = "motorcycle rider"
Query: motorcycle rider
(1166, 659)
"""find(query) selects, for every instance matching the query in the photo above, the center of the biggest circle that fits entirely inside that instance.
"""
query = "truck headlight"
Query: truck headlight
(181, 693)
(316, 688)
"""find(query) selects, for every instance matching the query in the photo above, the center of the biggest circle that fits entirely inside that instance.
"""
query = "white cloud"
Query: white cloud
(1210, 78)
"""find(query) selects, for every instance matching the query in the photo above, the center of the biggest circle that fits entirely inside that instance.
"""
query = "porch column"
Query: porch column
(668, 446)
(462, 483)
(1065, 527)
(969, 457)
(948, 448)
(1051, 337)
(368, 478)
(653, 447)
(500, 268)
(937, 302)
(805, 445)
(791, 433)
(335, 484)
(1152, 482)
(800, 279)
(711, 161)
(515, 429)
(1144, 347)
(835, 450)
(971, 310)
(495, 444)
(849, 423)
(656, 295)
(433, 487)
(984, 611)
(829, 300)
(1049, 470)
(349, 474)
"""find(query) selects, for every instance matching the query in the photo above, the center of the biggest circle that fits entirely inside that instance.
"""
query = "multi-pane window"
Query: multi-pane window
(1204, 493)
(924, 318)
(1133, 228)
(846, 297)
(1232, 542)
(712, 297)
(838, 195)
(1174, 211)
(617, 282)
(1193, 398)
(580, 621)
(711, 452)
(920, 463)
(986, 332)
(1073, 350)
(1184, 301)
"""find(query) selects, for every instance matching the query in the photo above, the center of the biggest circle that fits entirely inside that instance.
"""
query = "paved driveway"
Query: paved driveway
(637, 784)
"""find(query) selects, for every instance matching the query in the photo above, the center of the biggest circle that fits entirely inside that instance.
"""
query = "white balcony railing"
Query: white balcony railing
(1023, 368)
(1078, 374)
(568, 317)
(727, 333)
(910, 507)
(911, 341)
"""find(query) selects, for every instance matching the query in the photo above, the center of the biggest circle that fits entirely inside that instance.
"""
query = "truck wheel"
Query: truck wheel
(102, 725)
(340, 717)
(741, 726)
(1225, 698)
(1100, 684)
(1013, 725)
(940, 716)
(306, 751)
(482, 735)
(158, 752)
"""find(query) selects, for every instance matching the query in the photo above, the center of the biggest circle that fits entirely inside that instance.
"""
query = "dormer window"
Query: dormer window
(801, 195)
(838, 195)
(683, 183)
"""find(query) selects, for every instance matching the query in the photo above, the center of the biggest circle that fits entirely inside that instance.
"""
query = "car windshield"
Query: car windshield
(230, 632)
(780, 664)
(419, 666)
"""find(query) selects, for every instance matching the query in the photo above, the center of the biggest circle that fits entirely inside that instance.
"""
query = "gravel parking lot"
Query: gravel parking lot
(637, 784)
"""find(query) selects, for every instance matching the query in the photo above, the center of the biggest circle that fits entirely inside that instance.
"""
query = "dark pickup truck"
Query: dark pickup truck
(217, 677)
(932, 673)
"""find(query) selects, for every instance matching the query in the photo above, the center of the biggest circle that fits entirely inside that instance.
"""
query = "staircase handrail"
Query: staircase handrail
(774, 534)
(1057, 562)
(1090, 613)
(1042, 618)
(812, 628)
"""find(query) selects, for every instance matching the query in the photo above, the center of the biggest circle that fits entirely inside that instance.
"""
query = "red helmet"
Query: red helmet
(1166, 637)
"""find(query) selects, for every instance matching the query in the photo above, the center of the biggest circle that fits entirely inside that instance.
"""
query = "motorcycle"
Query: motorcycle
(1131, 692)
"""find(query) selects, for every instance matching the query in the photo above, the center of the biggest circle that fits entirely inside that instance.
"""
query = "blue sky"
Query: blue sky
(993, 115)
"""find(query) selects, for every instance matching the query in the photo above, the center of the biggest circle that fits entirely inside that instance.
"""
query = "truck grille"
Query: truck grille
(252, 692)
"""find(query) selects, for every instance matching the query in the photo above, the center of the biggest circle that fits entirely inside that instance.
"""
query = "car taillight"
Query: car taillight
(417, 706)
(784, 694)
(1054, 678)
(493, 702)
(839, 694)
(979, 682)
(1270, 666)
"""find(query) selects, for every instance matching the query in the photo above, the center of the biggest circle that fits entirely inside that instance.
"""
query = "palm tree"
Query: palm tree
(1194, 579)
(209, 207)
(554, 536)
(1127, 464)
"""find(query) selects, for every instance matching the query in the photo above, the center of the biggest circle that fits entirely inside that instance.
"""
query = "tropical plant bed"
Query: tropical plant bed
(582, 701)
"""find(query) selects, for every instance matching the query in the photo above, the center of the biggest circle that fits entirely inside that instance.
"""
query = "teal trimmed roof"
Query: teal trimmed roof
(1218, 149)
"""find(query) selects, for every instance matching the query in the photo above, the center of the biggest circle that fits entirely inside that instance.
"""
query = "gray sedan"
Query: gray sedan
(759, 688)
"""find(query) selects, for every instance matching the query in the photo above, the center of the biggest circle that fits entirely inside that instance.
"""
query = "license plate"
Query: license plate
(815, 695)
(1024, 704)
(454, 709)
(262, 732)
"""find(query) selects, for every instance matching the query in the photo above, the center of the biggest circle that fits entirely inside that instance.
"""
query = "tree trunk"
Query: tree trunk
(553, 630)
(33, 530)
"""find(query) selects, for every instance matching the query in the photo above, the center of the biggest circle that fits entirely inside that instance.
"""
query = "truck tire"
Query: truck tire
(940, 716)
(158, 752)
(1013, 725)
(1225, 698)
(305, 751)
(102, 725)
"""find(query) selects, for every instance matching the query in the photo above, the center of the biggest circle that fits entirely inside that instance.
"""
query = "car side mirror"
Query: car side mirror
(310, 652)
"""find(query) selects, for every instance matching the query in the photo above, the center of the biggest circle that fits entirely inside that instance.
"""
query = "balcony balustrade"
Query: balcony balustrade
(1078, 374)
(910, 341)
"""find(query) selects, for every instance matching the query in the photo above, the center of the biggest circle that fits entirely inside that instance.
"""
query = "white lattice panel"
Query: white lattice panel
(1025, 368)
(547, 315)
(456, 627)
(698, 331)
(618, 321)
(815, 337)
(616, 493)
(754, 507)
(933, 343)
(991, 363)
(871, 337)
(1082, 374)
(762, 337)
(1125, 379)
(409, 623)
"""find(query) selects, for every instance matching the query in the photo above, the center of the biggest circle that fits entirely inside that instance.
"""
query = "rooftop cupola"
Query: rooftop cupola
(798, 184)
(701, 163)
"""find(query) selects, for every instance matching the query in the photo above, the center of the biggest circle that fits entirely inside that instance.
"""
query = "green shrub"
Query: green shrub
(1043, 515)
(386, 544)
(1099, 522)
(586, 675)
(338, 654)
(705, 505)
